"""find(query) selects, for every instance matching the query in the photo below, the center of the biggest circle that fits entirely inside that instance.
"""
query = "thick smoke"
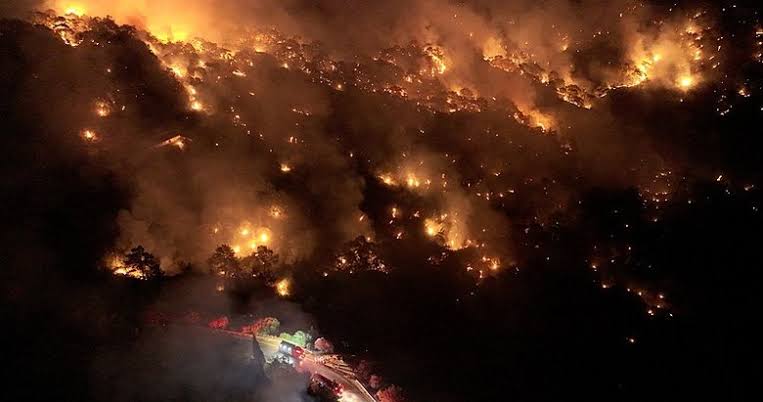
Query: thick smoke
(171, 362)
(222, 144)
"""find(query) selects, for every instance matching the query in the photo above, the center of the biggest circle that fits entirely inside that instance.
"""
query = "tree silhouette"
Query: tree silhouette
(223, 262)
(140, 261)
(261, 264)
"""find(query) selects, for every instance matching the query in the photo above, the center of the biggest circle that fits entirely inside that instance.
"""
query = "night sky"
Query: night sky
(471, 200)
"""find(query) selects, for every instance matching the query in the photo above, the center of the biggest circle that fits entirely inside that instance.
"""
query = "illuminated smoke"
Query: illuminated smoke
(260, 147)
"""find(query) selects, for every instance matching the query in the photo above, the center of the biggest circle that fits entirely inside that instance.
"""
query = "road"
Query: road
(333, 369)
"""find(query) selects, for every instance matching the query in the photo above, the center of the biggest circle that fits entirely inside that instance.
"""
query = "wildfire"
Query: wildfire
(493, 48)
(102, 109)
(686, 82)
(282, 287)
(197, 106)
(179, 71)
(654, 56)
(89, 136)
(437, 58)
(276, 212)
(492, 263)
(178, 141)
(412, 181)
(540, 120)
(535, 118)
(75, 9)
(432, 228)
(131, 273)
(117, 266)
(669, 58)
(253, 238)
(169, 34)
(387, 179)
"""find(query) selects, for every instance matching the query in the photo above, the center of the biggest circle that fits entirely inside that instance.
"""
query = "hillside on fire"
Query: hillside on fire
(419, 200)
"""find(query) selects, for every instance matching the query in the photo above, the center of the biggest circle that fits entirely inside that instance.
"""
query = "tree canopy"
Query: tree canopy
(142, 262)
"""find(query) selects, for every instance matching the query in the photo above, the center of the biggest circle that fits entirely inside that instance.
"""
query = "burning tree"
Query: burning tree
(140, 263)
(223, 262)
(260, 264)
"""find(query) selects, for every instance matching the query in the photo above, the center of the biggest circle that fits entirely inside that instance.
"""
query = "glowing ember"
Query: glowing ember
(197, 106)
(89, 136)
(276, 212)
(178, 71)
(178, 141)
(437, 58)
(116, 264)
(102, 109)
(387, 179)
(432, 228)
(492, 263)
(493, 48)
(282, 287)
(686, 82)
